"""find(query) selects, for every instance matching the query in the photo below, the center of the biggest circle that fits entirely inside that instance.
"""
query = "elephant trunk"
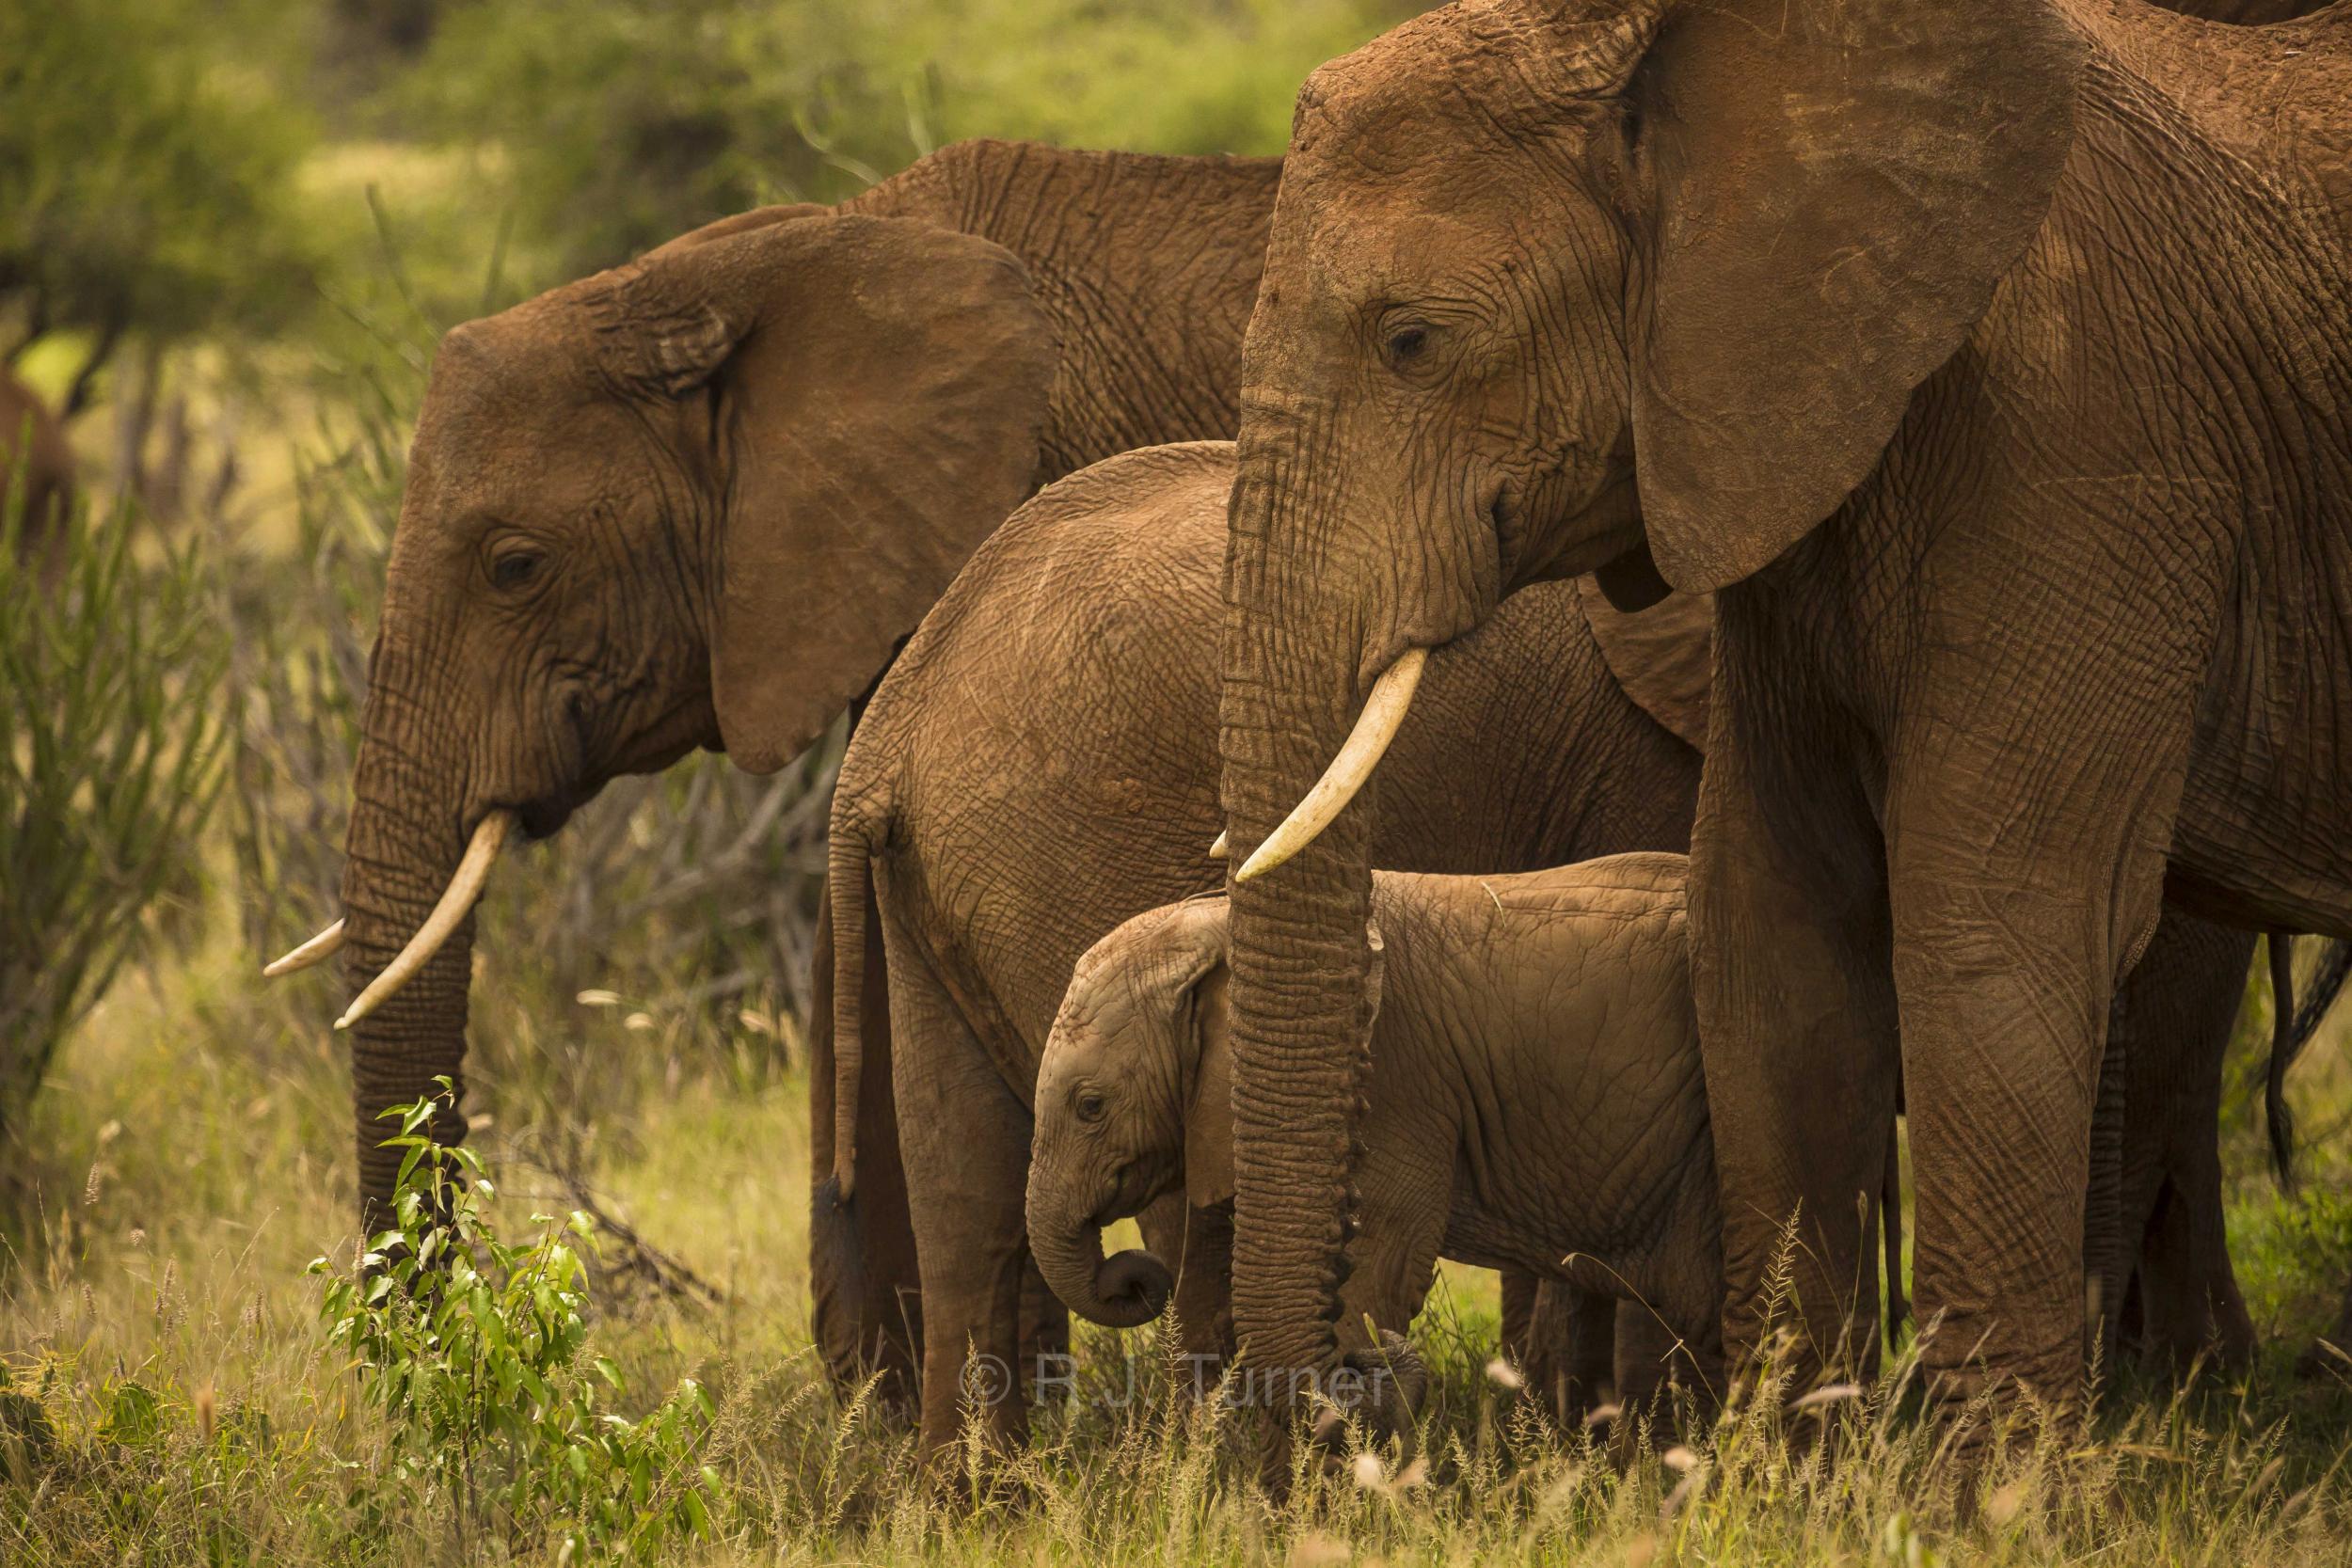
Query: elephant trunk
(1301, 959)
(1123, 1290)
(408, 834)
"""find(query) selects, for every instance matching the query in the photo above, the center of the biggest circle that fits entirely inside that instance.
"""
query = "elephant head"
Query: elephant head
(694, 502)
(1640, 287)
(1135, 1090)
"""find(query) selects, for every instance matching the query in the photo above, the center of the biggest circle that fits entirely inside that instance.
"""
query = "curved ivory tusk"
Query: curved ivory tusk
(319, 948)
(1217, 851)
(464, 888)
(1384, 710)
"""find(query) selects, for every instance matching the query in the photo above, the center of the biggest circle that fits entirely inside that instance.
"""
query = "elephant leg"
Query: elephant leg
(966, 1142)
(2175, 1013)
(1391, 1263)
(2189, 1297)
(1796, 1013)
(2012, 927)
(1202, 1241)
(1651, 1358)
(1563, 1340)
(865, 1295)
(1044, 1339)
(1517, 1291)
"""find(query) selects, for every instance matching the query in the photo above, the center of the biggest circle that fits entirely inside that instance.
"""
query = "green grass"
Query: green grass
(197, 1158)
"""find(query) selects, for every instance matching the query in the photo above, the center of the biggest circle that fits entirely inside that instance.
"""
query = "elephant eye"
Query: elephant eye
(1089, 1106)
(513, 568)
(1407, 343)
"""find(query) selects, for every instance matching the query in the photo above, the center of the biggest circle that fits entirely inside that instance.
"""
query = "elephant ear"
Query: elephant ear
(1839, 185)
(877, 393)
(1209, 1120)
(1209, 1114)
(1663, 657)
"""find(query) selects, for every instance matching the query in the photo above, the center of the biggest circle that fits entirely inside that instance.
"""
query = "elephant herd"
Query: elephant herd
(1809, 541)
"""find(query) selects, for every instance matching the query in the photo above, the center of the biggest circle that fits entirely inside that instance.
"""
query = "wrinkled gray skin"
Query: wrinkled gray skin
(1904, 327)
(1041, 764)
(1535, 1100)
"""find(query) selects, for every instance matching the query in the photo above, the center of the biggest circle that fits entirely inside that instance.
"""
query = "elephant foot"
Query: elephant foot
(1380, 1399)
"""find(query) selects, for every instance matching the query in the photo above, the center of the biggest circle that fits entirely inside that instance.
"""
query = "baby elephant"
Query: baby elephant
(1534, 1099)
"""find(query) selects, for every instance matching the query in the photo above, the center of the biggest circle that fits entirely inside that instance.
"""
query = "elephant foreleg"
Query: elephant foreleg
(1202, 1241)
(2021, 886)
(1797, 1031)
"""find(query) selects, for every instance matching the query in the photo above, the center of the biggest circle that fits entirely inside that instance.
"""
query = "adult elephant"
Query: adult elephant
(697, 502)
(2001, 400)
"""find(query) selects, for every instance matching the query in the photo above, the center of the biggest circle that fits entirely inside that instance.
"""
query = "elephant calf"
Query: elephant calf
(1535, 1100)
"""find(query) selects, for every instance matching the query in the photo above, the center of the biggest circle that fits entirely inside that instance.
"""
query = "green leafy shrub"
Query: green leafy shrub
(109, 738)
(472, 1345)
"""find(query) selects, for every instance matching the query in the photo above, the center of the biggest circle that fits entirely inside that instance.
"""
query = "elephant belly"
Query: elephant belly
(2264, 837)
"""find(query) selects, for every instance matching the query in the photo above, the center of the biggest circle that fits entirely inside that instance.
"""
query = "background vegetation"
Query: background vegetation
(231, 232)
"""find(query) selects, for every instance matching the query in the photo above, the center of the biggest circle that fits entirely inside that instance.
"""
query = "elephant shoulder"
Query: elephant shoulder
(1663, 656)
(1141, 534)
(1104, 576)
(1181, 484)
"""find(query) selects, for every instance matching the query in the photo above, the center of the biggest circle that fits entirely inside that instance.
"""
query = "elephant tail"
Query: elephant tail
(2292, 1028)
(848, 887)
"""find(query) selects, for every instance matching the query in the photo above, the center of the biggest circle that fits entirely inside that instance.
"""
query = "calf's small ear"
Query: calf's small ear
(1209, 1116)
(1209, 1111)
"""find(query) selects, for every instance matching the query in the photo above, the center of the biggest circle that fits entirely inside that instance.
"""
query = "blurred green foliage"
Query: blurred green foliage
(618, 123)
(474, 1346)
(147, 170)
(109, 747)
(241, 170)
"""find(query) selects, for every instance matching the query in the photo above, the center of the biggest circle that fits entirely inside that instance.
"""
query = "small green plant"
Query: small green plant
(473, 1347)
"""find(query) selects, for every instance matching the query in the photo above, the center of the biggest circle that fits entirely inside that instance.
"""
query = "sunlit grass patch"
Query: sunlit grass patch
(182, 1278)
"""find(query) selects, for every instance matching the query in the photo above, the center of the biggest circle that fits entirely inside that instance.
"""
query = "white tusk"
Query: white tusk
(1218, 851)
(464, 888)
(1384, 710)
(319, 948)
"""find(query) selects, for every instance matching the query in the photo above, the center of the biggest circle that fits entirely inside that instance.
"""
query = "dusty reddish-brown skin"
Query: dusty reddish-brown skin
(1992, 364)
(1041, 764)
(1538, 1104)
(735, 474)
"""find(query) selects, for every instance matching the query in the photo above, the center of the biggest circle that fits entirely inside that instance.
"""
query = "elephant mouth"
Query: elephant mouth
(544, 817)
(1133, 1187)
